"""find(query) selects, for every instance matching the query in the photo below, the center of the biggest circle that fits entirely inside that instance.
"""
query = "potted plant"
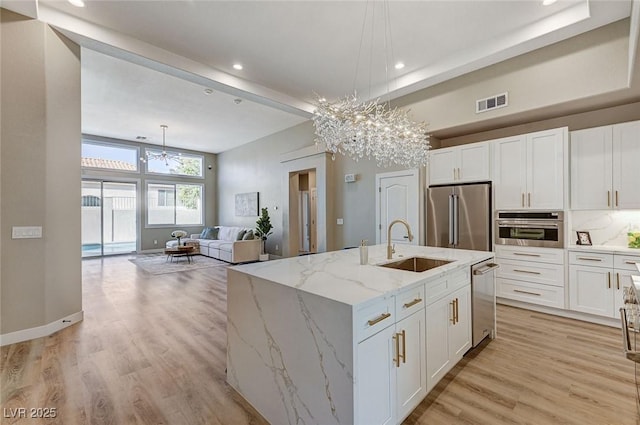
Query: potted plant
(263, 229)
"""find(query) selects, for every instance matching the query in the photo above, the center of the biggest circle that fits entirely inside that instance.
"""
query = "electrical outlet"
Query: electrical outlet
(276, 247)
(155, 242)
(340, 222)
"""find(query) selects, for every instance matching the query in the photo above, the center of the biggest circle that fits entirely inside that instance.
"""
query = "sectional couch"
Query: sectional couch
(226, 243)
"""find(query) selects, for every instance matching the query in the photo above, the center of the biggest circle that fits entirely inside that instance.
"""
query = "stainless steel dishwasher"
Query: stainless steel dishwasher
(483, 300)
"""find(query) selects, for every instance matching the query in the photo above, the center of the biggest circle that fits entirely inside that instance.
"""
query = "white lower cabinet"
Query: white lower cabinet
(532, 275)
(448, 333)
(597, 281)
(392, 367)
(405, 348)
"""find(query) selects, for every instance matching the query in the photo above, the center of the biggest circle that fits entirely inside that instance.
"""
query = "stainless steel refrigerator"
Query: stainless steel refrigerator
(459, 216)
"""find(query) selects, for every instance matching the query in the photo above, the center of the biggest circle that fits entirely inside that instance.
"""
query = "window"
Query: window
(187, 165)
(109, 156)
(174, 203)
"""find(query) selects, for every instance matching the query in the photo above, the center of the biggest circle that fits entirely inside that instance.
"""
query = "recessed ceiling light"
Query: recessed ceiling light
(237, 101)
(399, 65)
(237, 66)
(208, 91)
(77, 3)
(548, 2)
(141, 137)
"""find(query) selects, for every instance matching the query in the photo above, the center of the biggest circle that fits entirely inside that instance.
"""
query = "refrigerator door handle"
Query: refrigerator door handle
(451, 239)
(456, 236)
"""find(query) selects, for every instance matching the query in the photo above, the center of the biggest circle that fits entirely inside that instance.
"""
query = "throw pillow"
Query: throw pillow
(241, 234)
(209, 233)
(248, 236)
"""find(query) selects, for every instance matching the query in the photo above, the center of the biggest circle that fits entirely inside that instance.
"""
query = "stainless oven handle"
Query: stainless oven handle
(529, 226)
(631, 354)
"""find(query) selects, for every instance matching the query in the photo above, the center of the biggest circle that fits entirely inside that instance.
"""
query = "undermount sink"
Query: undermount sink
(416, 264)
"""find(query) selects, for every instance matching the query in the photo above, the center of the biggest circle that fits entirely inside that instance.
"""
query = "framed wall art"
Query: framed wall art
(247, 204)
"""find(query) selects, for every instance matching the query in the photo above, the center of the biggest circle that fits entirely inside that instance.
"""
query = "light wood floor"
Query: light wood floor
(151, 350)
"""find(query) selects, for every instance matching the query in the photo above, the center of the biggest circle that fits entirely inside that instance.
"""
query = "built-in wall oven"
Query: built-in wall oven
(530, 228)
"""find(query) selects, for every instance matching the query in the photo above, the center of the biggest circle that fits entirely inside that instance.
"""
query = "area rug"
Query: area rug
(158, 263)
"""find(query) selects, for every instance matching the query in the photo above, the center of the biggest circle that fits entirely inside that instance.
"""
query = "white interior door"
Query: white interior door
(398, 198)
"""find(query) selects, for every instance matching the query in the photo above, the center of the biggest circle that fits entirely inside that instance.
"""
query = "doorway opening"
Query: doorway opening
(109, 218)
(303, 207)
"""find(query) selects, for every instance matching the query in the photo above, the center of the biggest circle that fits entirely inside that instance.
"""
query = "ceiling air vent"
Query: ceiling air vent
(493, 102)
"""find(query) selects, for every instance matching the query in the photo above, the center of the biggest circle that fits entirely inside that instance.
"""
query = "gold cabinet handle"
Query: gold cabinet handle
(453, 312)
(529, 198)
(608, 198)
(396, 337)
(525, 271)
(589, 259)
(618, 280)
(412, 303)
(523, 199)
(630, 262)
(459, 174)
(404, 346)
(456, 314)
(527, 292)
(616, 198)
(379, 319)
(609, 280)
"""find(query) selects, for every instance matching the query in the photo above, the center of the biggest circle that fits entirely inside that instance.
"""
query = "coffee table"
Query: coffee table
(180, 251)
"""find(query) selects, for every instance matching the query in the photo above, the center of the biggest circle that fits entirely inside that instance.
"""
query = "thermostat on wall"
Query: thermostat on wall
(349, 178)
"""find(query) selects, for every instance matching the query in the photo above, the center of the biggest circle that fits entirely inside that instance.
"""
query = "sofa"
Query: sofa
(226, 243)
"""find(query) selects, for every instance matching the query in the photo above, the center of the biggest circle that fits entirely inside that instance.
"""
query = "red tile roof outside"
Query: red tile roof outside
(110, 164)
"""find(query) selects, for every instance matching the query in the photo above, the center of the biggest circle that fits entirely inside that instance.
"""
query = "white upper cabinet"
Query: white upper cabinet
(529, 170)
(626, 165)
(460, 164)
(604, 167)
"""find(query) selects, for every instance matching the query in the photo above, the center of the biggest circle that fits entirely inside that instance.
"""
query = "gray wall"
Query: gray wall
(255, 167)
(40, 279)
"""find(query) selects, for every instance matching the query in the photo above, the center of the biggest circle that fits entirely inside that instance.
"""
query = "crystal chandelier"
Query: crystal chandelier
(164, 155)
(370, 129)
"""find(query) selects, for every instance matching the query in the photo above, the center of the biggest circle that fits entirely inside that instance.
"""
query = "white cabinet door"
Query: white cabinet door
(439, 315)
(460, 331)
(460, 164)
(473, 163)
(510, 172)
(591, 175)
(375, 390)
(545, 170)
(590, 290)
(442, 166)
(411, 372)
(626, 165)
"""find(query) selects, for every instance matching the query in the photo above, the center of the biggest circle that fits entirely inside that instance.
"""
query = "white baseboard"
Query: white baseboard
(615, 323)
(41, 331)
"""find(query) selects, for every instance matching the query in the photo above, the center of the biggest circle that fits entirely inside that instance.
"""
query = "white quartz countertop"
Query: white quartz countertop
(338, 275)
(606, 249)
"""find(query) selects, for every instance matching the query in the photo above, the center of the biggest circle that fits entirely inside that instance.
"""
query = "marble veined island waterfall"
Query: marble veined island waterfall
(321, 339)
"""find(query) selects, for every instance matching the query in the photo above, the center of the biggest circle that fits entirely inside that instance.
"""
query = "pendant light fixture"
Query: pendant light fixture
(371, 129)
(164, 155)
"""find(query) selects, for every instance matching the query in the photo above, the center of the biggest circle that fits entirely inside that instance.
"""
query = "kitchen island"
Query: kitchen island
(322, 339)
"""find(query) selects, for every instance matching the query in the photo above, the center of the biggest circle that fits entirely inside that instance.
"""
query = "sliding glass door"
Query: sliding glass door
(109, 218)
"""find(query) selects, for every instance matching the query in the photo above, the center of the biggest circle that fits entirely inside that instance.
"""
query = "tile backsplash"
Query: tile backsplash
(606, 227)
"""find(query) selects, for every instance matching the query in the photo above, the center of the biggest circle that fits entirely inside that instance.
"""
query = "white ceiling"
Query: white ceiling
(289, 50)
